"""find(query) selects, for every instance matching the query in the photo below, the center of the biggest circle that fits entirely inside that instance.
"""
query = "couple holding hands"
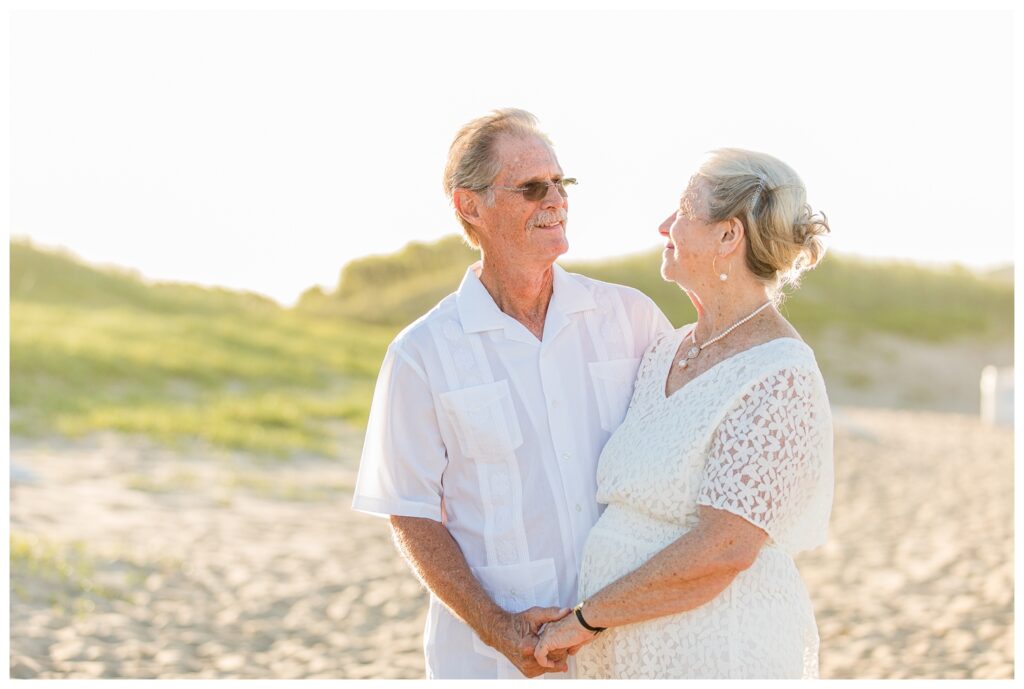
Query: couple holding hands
(584, 490)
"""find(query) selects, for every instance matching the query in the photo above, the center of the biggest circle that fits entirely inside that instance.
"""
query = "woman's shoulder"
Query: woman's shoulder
(784, 353)
(785, 368)
(779, 342)
(773, 356)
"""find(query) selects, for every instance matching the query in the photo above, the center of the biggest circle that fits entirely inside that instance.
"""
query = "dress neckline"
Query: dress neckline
(667, 370)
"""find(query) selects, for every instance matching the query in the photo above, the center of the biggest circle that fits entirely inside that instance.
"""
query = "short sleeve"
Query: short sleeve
(403, 458)
(647, 321)
(767, 458)
(657, 325)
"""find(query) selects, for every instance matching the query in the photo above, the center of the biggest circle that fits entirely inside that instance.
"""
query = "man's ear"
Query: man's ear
(732, 236)
(467, 206)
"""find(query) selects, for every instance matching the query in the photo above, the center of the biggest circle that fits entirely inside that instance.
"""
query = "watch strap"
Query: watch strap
(579, 616)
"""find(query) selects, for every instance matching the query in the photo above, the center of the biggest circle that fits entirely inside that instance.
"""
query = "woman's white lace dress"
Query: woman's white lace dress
(752, 436)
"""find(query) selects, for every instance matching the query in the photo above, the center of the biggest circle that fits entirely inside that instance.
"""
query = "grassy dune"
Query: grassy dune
(857, 296)
(96, 349)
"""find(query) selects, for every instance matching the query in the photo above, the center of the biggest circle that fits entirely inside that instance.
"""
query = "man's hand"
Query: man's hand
(516, 639)
(439, 563)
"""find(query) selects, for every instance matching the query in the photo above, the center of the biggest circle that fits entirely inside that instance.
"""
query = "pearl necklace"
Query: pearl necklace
(693, 351)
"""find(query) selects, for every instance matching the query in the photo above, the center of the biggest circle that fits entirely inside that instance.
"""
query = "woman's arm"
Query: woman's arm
(684, 575)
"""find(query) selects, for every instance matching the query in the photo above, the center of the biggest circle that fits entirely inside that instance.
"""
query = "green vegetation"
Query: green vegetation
(397, 289)
(854, 295)
(66, 577)
(94, 349)
(99, 349)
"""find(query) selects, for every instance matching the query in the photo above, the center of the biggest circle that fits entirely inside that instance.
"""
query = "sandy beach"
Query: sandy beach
(132, 560)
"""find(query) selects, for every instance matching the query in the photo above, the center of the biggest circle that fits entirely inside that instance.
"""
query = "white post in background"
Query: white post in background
(997, 395)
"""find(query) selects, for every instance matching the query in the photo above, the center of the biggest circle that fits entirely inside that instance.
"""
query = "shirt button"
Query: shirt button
(578, 508)
(554, 404)
(567, 456)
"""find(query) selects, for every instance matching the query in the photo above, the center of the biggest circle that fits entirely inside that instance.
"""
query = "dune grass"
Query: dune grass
(856, 296)
(99, 349)
(67, 574)
(235, 371)
(269, 383)
(73, 579)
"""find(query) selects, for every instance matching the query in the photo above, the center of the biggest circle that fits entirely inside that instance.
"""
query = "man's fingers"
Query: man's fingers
(559, 666)
(555, 658)
(535, 668)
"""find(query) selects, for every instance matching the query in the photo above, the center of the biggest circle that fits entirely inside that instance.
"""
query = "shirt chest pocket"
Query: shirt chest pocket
(484, 420)
(613, 387)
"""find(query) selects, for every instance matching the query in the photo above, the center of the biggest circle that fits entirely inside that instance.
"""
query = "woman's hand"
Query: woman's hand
(567, 633)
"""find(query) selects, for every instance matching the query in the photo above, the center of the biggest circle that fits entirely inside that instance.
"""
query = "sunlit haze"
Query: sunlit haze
(262, 151)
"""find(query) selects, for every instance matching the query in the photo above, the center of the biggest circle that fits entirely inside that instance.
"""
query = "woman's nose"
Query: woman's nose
(664, 227)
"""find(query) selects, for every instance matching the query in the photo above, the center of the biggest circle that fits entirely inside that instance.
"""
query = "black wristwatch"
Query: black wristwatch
(579, 616)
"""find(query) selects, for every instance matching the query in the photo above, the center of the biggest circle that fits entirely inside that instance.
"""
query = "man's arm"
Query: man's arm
(438, 562)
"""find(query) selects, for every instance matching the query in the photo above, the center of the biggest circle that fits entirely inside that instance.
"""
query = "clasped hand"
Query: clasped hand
(561, 637)
(539, 640)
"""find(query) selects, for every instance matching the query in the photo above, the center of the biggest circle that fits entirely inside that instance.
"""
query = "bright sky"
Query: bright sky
(263, 150)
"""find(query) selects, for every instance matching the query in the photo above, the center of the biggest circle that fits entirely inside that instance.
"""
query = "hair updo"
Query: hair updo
(768, 197)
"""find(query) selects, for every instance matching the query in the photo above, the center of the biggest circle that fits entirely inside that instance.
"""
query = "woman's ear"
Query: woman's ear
(732, 236)
(465, 202)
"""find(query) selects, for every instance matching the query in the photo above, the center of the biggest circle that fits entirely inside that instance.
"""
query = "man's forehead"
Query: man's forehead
(526, 156)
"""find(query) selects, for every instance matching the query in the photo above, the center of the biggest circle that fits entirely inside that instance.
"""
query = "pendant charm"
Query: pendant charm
(723, 277)
(694, 351)
(684, 363)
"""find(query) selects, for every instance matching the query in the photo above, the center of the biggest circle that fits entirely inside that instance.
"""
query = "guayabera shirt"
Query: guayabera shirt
(479, 425)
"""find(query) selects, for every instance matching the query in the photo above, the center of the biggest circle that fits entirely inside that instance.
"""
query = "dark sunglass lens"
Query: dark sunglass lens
(535, 191)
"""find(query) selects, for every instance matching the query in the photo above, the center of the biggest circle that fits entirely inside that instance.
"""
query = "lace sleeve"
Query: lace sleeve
(766, 458)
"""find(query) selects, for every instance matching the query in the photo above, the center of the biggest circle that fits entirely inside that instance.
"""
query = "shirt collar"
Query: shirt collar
(478, 312)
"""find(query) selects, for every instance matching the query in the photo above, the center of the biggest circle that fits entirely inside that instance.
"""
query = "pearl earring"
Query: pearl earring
(721, 276)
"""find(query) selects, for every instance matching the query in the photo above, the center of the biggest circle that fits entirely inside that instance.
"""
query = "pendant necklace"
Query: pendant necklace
(693, 351)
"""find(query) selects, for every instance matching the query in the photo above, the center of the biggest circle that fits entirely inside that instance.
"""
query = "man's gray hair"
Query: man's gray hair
(472, 158)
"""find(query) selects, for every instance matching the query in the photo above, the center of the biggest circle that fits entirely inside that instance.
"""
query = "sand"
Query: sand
(131, 560)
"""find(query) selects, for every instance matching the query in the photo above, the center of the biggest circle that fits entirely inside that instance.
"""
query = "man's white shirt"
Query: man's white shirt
(478, 424)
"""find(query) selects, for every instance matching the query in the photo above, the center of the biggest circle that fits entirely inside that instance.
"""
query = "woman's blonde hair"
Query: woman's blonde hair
(768, 197)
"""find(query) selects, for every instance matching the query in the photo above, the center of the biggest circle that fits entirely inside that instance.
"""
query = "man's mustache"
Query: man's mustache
(549, 218)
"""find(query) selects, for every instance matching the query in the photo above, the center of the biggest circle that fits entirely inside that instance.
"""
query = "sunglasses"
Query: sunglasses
(535, 191)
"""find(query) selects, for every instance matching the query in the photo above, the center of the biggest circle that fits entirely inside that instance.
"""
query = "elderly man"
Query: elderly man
(491, 410)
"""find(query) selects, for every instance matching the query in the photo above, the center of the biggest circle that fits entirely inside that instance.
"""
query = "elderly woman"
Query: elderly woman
(722, 469)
